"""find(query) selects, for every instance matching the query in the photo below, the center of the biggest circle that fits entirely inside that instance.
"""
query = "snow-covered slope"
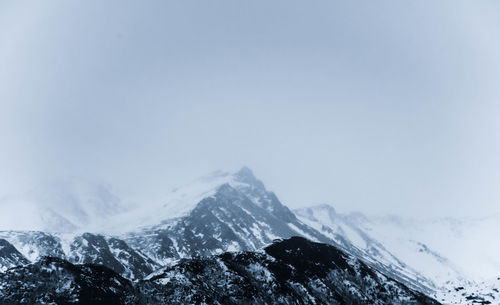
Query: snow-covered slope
(391, 247)
(455, 252)
(34, 244)
(76, 248)
(9, 256)
(237, 215)
(182, 200)
(469, 244)
(449, 253)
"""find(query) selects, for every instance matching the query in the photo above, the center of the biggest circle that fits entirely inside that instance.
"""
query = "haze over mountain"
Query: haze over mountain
(65, 206)
(234, 212)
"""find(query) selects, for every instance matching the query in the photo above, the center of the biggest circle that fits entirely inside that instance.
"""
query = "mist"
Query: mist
(376, 107)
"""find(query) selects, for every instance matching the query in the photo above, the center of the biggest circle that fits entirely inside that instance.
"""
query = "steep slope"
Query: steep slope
(406, 255)
(182, 200)
(468, 244)
(9, 256)
(345, 232)
(85, 248)
(240, 215)
(427, 247)
(293, 271)
(34, 244)
(56, 281)
(458, 253)
(111, 252)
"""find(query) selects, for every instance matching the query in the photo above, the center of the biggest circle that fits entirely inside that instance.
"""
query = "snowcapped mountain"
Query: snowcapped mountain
(293, 271)
(85, 248)
(34, 244)
(9, 256)
(234, 212)
(238, 215)
(443, 251)
(112, 252)
(404, 253)
(183, 200)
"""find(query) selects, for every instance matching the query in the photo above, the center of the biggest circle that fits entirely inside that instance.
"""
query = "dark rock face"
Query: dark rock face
(111, 252)
(91, 248)
(293, 271)
(234, 219)
(56, 281)
(254, 188)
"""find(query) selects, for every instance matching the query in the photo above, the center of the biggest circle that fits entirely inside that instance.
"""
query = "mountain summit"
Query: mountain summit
(245, 175)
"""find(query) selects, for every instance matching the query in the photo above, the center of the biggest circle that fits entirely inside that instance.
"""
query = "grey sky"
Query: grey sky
(387, 106)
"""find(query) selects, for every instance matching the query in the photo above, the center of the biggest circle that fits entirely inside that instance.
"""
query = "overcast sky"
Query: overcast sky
(378, 106)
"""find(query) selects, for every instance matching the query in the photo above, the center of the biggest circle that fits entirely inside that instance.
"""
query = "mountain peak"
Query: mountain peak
(245, 175)
(182, 200)
(245, 171)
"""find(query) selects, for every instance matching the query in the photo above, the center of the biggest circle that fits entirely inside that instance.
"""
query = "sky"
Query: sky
(376, 106)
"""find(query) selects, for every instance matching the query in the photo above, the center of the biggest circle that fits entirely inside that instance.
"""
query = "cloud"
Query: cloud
(377, 107)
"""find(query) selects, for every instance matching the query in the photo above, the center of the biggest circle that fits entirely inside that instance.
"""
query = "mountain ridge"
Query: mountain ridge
(286, 272)
(230, 212)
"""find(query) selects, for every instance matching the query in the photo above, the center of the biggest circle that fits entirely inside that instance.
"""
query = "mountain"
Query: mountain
(293, 271)
(222, 212)
(9, 256)
(56, 281)
(218, 213)
(234, 212)
(465, 245)
(238, 215)
(111, 252)
(437, 249)
(183, 200)
(34, 244)
(353, 229)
